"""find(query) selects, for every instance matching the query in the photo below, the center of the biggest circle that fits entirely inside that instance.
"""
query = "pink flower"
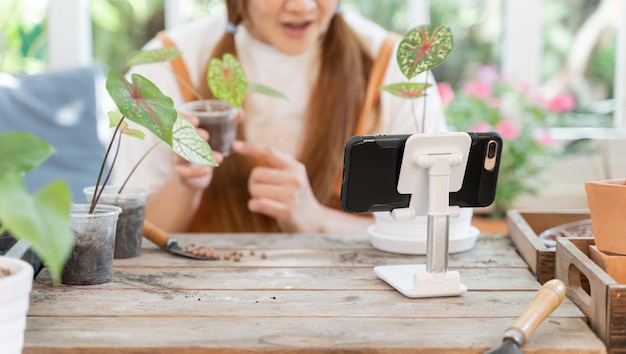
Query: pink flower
(508, 129)
(561, 103)
(541, 100)
(487, 74)
(480, 127)
(546, 139)
(446, 92)
(494, 102)
(525, 87)
(477, 89)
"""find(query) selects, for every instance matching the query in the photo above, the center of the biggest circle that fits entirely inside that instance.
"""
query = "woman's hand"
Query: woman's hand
(282, 190)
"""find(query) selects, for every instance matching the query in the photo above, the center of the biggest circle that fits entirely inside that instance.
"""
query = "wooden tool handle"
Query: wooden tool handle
(547, 299)
(155, 234)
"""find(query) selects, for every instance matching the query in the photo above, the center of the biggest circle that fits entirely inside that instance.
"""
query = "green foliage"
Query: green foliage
(188, 144)
(22, 37)
(420, 50)
(22, 152)
(140, 100)
(143, 103)
(121, 26)
(227, 80)
(154, 56)
(268, 91)
(406, 89)
(41, 219)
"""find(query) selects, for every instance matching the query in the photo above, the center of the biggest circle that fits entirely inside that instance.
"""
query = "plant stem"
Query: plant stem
(94, 199)
(137, 165)
(417, 125)
(106, 179)
(186, 84)
(425, 96)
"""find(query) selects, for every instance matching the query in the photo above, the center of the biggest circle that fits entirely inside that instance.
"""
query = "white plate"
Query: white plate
(417, 246)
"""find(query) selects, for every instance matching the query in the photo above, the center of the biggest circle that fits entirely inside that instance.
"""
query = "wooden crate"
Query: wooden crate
(597, 295)
(523, 228)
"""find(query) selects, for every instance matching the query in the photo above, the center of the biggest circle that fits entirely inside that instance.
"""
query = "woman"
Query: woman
(284, 172)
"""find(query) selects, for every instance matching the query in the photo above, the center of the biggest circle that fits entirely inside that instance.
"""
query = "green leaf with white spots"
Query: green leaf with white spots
(422, 50)
(227, 80)
(154, 56)
(190, 145)
(408, 90)
(143, 103)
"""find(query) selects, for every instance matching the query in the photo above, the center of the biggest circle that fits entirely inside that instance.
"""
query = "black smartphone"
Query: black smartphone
(372, 167)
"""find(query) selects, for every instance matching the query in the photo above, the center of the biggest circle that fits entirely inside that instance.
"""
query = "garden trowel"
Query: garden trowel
(547, 299)
(163, 240)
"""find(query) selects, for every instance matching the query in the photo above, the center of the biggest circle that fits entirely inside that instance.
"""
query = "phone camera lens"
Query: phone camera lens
(491, 149)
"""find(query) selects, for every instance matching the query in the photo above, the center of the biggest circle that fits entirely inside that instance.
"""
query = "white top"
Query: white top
(270, 122)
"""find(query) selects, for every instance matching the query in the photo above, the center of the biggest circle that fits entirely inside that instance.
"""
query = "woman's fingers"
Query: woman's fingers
(240, 116)
(272, 158)
(194, 176)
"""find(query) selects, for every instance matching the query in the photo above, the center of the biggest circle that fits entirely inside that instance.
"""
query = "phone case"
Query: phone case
(370, 175)
(479, 182)
(372, 168)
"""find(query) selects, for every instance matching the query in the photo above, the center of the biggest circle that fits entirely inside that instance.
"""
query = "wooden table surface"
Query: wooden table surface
(313, 293)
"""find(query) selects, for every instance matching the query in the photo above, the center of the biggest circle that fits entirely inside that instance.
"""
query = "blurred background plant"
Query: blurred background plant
(490, 102)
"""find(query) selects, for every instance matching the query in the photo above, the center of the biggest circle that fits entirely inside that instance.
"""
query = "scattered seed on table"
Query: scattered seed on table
(263, 255)
(252, 252)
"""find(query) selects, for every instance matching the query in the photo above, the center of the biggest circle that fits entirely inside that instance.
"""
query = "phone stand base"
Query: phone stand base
(416, 245)
(414, 281)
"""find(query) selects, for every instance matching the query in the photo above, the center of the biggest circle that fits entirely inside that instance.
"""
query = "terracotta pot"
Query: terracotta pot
(607, 207)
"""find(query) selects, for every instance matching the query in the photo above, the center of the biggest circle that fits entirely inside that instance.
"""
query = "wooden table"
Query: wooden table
(313, 293)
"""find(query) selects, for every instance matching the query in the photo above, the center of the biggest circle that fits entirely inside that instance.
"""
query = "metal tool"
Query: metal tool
(547, 299)
(163, 240)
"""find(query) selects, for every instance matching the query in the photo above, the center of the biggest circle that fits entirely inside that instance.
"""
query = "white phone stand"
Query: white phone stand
(433, 165)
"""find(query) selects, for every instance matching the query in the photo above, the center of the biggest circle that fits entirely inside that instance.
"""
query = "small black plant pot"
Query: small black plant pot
(10, 246)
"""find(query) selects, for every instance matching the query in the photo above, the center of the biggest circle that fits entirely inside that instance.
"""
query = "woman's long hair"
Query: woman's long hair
(331, 118)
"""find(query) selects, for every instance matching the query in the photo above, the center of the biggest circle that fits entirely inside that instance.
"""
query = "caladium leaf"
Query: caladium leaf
(190, 145)
(266, 90)
(114, 120)
(41, 220)
(422, 50)
(227, 80)
(22, 152)
(143, 103)
(154, 56)
(409, 90)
